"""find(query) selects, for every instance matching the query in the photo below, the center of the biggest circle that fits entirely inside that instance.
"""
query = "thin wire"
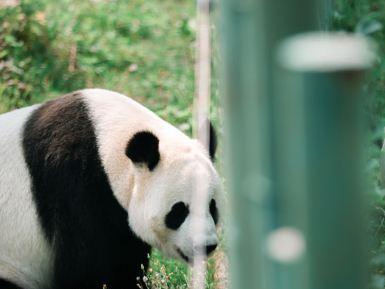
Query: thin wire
(203, 78)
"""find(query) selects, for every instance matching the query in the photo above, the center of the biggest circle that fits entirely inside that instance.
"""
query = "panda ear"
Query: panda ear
(212, 142)
(143, 148)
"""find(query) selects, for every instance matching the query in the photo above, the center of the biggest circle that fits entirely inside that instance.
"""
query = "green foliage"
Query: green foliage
(22, 39)
(140, 48)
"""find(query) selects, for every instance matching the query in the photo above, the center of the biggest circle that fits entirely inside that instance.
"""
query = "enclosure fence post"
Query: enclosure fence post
(322, 76)
(250, 31)
(202, 133)
(294, 153)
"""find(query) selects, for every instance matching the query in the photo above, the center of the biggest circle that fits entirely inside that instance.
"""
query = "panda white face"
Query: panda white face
(162, 210)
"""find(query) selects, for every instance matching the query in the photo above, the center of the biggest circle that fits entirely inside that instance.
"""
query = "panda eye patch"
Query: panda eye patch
(176, 216)
(214, 211)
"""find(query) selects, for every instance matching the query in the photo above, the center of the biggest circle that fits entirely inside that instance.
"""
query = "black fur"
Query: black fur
(144, 148)
(212, 142)
(4, 284)
(176, 216)
(81, 218)
(214, 211)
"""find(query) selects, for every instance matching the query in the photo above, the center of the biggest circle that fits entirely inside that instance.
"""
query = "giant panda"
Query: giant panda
(89, 182)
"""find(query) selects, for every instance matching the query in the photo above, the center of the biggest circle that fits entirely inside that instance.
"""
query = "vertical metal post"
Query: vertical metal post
(202, 109)
(294, 152)
(322, 78)
(250, 31)
(246, 89)
(325, 13)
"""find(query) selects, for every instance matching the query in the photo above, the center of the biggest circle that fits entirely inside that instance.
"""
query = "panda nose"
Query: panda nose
(210, 248)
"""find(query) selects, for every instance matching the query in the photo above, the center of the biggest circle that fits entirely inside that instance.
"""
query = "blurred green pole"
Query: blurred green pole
(322, 117)
(325, 14)
(249, 32)
(294, 183)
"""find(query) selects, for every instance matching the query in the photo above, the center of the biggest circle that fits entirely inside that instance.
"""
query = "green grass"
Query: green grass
(144, 49)
(165, 273)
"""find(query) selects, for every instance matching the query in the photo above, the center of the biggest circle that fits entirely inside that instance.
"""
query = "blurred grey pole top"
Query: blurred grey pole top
(326, 52)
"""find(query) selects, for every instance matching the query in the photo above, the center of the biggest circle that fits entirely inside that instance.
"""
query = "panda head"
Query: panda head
(153, 170)
(166, 174)
(161, 208)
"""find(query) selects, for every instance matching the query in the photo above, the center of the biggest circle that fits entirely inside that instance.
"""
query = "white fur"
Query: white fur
(24, 253)
(149, 195)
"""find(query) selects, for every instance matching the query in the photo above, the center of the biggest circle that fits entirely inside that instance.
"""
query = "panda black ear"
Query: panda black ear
(143, 148)
(212, 142)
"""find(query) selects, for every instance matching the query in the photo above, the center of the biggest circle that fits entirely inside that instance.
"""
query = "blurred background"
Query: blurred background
(146, 49)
